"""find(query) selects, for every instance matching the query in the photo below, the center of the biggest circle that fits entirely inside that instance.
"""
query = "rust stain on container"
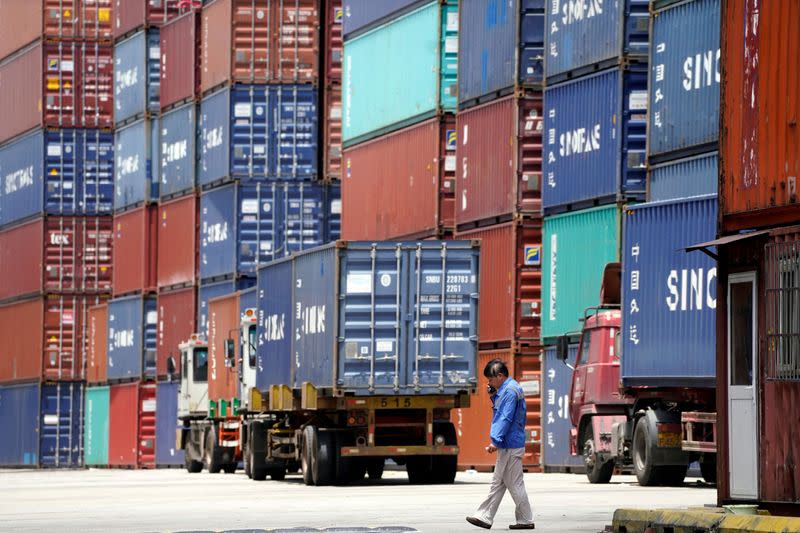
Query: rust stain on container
(180, 60)
(177, 311)
(96, 344)
(177, 242)
(223, 324)
(136, 245)
(499, 160)
(759, 138)
(400, 185)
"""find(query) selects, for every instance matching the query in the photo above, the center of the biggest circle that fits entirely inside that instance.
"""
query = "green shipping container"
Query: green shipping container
(95, 427)
(577, 247)
(401, 73)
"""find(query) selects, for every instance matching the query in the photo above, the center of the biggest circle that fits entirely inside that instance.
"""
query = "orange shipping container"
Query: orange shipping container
(96, 344)
(177, 242)
(223, 324)
(177, 311)
(759, 138)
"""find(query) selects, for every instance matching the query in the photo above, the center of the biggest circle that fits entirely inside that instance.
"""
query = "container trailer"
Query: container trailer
(354, 352)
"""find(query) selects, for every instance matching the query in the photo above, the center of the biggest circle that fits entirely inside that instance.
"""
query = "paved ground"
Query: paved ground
(172, 500)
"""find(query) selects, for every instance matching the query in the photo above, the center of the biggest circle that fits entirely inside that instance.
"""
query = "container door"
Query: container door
(60, 425)
(742, 391)
(147, 426)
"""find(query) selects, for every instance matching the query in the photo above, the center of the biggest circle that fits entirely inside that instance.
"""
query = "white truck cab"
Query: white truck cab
(193, 397)
(248, 365)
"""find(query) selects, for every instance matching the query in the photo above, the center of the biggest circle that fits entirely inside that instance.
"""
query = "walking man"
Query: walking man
(507, 439)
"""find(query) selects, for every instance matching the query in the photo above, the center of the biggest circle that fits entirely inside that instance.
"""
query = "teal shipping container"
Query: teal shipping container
(577, 247)
(95, 426)
(401, 73)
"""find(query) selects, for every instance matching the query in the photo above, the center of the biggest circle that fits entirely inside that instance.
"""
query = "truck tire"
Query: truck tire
(230, 468)
(418, 468)
(192, 466)
(708, 467)
(647, 473)
(308, 454)
(375, 467)
(256, 441)
(598, 472)
(324, 463)
(212, 455)
(246, 459)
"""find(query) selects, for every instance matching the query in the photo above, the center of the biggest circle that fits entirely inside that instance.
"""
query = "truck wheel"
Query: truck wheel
(646, 472)
(192, 466)
(256, 442)
(212, 458)
(307, 455)
(375, 467)
(419, 469)
(596, 471)
(324, 462)
(230, 468)
(708, 467)
(246, 459)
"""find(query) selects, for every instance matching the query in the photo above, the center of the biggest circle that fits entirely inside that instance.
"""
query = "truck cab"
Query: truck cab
(248, 359)
(193, 398)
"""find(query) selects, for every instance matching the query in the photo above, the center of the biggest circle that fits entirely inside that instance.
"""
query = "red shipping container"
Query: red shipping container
(177, 312)
(510, 284)
(96, 344)
(334, 15)
(43, 338)
(131, 15)
(223, 323)
(180, 61)
(63, 85)
(132, 425)
(276, 42)
(25, 21)
(136, 245)
(759, 141)
(499, 158)
(177, 242)
(473, 423)
(400, 185)
(56, 254)
(332, 149)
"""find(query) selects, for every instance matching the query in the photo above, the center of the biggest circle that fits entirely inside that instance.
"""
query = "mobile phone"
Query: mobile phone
(490, 389)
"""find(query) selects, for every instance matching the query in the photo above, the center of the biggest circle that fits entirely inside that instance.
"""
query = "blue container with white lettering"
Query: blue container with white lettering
(556, 424)
(334, 218)
(210, 290)
(595, 140)
(177, 151)
(584, 36)
(167, 424)
(669, 297)
(132, 330)
(258, 132)
(56, 172)
(684, 80)
(501, 48)
(137, 76)
(684, 178)
(396, 318)
(136, 175)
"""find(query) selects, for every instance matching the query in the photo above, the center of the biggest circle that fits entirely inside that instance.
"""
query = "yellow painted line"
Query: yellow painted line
(691, 521)
(759, 524)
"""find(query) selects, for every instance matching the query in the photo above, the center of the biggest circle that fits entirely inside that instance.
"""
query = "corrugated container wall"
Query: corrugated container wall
(385, 90)
(136, 173)
(760, 145)
(556, 424)
(333, 45)
(130, 15)
(209, 291)
(167, 424)
(577, 247)
(692, 176)
(43, 338)
(132, 425)
(136, 247)
(361, 15)
(583, 37)
(223, 323)
(57, 172)
(684, 79)
(26, 21)
(137, 76)
(177, 314)
(499, 160)
(258, 132)
(332, 140)
(669, 297)
(56, 254)
(177, 242)
(95, 426)
(177, 153)
(595, 130)
(42, 425)
(274, 42)
(401, 185)
(501, 48)
(60, 85)
(96, 344)
(132, 338)
(180, 61)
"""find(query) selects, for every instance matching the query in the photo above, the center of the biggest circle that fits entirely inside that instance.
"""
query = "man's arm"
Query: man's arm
(505, 416)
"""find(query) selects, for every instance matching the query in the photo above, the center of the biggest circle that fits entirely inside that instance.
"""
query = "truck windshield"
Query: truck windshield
(251, 348)
(200, 365)
(583, 355)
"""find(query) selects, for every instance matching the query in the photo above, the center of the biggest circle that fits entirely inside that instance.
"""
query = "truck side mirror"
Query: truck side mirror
(230, 352)
(171, 367)
(562, 348)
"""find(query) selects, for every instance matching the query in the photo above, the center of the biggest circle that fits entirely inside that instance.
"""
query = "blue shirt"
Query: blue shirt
(508, 416)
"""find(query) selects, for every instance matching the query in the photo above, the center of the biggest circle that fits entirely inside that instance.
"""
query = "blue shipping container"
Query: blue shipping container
(132, 331)
(401, 73)
(137, 75)
(669, 297)
(693, 176)
(42, 425)
(58, 172)
(167, 424)
(334, 231)
(595, 130)
(177, 153)
(371, 316)
(136, 175)
(685, 77)
(556, 424)
(258, 132)
(361, 15)
(501, 47)
(584, 35)
(244, 224)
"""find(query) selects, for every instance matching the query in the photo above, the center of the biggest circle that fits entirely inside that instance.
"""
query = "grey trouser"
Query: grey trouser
(507, 475)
